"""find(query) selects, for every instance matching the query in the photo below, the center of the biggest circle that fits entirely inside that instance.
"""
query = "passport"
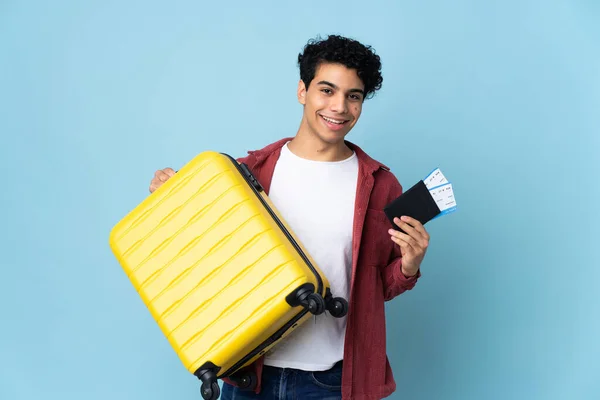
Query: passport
(428, 199)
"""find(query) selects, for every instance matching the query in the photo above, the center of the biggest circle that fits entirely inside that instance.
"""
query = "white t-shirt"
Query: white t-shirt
(316, 198)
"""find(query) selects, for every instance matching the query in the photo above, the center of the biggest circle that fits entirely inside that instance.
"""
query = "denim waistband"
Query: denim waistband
(337, 365)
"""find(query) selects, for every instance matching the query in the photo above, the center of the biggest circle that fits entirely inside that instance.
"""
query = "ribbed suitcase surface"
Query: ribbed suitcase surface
(215, 263)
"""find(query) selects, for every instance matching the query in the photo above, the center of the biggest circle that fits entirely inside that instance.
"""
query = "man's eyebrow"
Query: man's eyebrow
(356, 90)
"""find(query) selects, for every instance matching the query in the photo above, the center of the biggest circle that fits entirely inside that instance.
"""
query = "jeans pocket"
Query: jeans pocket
(330, 380)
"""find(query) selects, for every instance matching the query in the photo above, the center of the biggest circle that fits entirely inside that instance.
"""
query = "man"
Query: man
(332, 194)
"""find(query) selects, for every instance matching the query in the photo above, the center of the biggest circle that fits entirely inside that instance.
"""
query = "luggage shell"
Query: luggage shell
(218, 268)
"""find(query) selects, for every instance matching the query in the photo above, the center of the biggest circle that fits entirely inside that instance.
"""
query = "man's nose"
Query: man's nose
(339, 104)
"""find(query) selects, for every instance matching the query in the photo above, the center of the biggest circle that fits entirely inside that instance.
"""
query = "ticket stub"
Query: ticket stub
(443, 195)
(435, 178)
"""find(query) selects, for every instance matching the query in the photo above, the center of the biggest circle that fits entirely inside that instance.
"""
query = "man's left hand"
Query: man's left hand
(413, 244)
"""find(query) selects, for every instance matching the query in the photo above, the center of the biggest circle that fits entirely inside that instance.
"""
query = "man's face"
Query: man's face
(333, 102)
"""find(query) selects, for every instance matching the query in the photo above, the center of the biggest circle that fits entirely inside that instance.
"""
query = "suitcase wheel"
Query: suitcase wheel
(315, 303)
(251, 381)
(210, 388)
(210, 391)
(337, 307)
(246, 381)
(306, 297)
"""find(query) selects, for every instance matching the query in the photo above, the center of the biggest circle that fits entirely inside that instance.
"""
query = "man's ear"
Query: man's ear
(301, 92)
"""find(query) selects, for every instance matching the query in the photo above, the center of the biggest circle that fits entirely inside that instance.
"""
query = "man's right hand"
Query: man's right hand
(160, 177)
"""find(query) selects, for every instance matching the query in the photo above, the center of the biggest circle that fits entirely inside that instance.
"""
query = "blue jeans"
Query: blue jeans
(292, 384)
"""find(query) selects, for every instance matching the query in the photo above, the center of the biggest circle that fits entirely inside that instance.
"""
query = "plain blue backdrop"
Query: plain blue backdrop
(503, 96)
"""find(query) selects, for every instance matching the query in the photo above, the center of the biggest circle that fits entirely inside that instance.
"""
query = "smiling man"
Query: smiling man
(332, 195)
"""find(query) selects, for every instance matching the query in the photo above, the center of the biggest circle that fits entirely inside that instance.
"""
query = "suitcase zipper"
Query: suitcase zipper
(254, 184)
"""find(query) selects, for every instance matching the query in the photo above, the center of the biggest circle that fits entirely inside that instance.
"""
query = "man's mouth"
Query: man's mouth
(334, 121)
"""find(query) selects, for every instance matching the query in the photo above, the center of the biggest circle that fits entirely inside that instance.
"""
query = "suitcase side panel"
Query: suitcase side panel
(315, 266)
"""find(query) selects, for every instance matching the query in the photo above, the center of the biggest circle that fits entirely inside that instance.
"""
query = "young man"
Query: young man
(332, 194)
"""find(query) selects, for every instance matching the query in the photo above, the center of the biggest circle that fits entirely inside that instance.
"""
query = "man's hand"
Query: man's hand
(160, 177)
(413, 244)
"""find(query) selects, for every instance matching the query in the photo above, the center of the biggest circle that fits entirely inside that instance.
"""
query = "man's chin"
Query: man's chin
(331, 137)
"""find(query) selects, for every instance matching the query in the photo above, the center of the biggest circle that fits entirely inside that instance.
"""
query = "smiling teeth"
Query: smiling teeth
(333, 121)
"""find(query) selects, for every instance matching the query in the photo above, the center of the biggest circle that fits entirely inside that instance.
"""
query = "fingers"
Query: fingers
(406, 247)
(154, 184)
(413, 243)
(414, 223)
(169, 171)
(164, 174)
(406, 241)
(160, 177)
(414, 229)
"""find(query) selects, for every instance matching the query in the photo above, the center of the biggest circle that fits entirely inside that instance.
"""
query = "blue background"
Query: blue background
(503, 96)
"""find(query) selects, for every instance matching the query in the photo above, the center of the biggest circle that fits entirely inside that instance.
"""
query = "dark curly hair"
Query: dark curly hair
(345, 51)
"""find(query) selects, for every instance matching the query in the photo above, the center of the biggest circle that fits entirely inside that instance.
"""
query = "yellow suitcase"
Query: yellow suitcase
(219, 269)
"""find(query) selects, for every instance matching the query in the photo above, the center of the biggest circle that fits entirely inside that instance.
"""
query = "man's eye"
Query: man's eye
(326, 91)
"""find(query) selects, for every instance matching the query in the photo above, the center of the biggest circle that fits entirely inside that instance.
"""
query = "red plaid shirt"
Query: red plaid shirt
(376, 274)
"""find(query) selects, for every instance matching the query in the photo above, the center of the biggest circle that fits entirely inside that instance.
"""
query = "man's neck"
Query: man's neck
(309, 146)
